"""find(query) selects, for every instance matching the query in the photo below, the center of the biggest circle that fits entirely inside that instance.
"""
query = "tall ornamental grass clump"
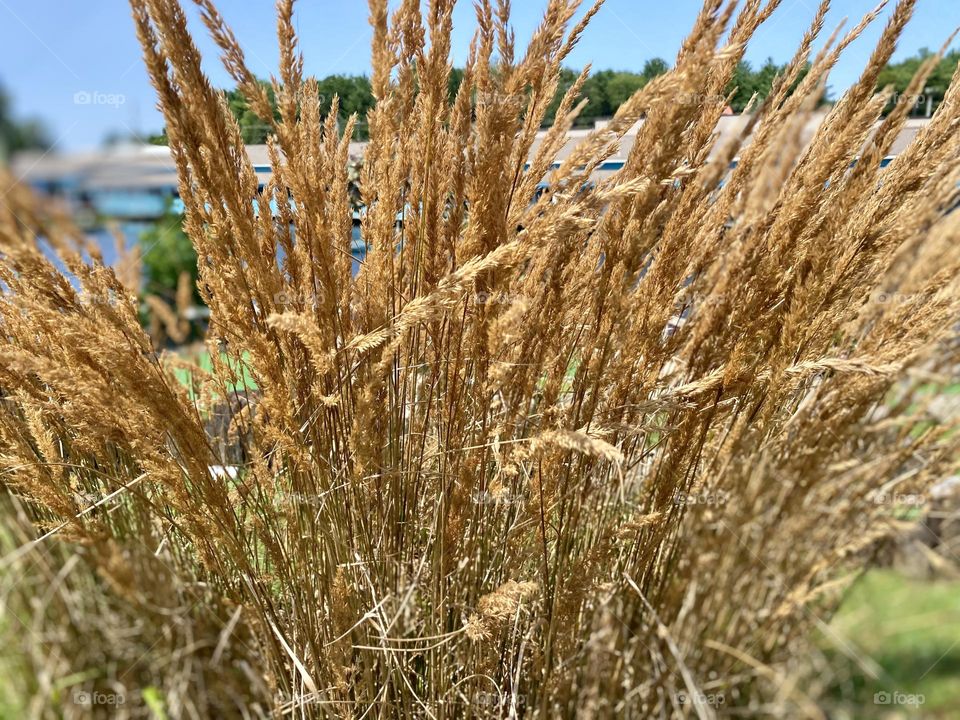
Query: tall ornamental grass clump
(607, 453)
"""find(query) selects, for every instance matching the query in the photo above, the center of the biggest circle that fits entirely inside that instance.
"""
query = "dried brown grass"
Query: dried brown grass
(563, 503)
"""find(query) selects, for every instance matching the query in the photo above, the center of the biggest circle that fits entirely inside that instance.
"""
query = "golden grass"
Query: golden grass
(565, 503)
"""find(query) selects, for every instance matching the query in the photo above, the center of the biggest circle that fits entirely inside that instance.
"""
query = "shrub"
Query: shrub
(624, 488)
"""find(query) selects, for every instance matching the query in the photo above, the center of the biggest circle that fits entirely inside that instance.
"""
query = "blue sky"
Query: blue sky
(76, 65)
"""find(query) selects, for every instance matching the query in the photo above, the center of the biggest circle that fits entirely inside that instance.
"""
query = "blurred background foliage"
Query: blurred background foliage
(17, 134)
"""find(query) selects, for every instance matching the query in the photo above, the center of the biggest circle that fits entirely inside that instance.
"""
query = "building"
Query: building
(134, 183)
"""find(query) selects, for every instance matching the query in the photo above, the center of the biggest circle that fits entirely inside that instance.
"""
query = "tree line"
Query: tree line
(604, 91)
(929, 98)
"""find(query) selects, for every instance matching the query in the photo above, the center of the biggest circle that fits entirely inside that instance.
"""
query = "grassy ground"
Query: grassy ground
(910, 630)
(906, 630)
(198, 354)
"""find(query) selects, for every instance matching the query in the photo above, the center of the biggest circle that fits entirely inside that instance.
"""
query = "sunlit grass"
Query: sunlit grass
(911, 629)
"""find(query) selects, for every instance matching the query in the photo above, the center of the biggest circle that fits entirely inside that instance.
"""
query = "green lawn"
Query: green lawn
(201, 357)
(911, 630)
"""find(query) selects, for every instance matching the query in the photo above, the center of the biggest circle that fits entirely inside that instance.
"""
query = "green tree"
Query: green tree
(605, 90)
(354, 91)
(166, 252)
(747, 82)
(621, 85)
(765, 76)
(898, 75)
(598, 100)
(16, 135)
(654, 67)
(742, 85)
(567, 78)
(356, 96)
(454, 80)
(253, 128)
